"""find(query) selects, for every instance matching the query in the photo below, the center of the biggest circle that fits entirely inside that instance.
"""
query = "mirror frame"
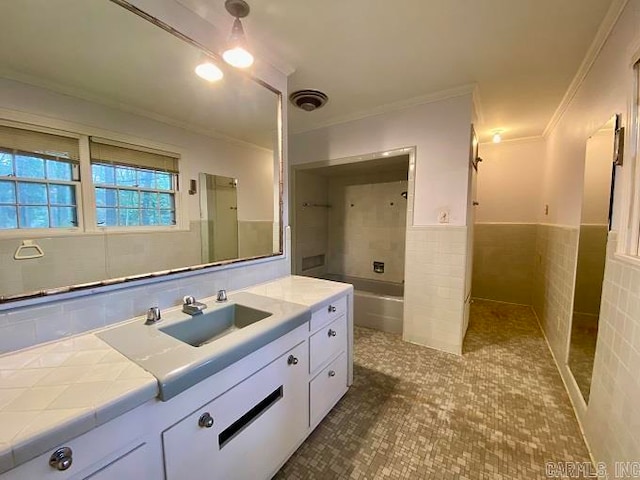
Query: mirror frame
(71, 291)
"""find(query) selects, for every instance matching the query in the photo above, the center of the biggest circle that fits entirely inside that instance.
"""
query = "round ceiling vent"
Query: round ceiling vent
(308, 100)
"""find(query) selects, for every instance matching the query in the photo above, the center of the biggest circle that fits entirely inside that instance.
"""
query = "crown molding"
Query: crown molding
(602, 34)
(532, 138)
(392, 107)
(477, 105)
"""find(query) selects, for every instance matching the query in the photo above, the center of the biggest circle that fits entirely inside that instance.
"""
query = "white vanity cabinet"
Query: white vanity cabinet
(247, 432)
(328, 359)
(123, 448)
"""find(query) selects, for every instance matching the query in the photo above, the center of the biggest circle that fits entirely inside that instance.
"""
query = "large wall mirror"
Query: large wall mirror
(592, 249)
(110, 146)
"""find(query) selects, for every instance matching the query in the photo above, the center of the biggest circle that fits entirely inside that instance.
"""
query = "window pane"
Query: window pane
(8, 217)
(30, 167)
(128, 217)
(63, 217)
(146, 179)
(6, 164)
(107, 217)
(34, 217)
(62, 194)
(7, 192)
(125, 177)
(164, 181)
(166, 201)
(128, 198)
(167, 217)
(59, 170)
(107, 197)
(149, 217)
(32, 193)
(149, 199)
(103, 174)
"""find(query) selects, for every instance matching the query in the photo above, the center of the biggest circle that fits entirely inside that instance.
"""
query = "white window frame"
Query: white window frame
(85, 191)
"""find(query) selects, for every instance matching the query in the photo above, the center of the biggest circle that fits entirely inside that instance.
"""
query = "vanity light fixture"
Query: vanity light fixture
(236, 53)
(497, 137)
(209, 71)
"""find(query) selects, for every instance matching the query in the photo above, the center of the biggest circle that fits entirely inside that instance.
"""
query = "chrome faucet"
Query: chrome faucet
(153, 316)
(222, 296)
(191, 306)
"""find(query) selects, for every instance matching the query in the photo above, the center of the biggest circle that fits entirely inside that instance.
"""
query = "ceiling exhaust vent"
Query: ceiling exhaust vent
(308, 100)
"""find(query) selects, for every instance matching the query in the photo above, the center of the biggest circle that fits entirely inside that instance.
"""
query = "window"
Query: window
(133, 187)
(39, 179)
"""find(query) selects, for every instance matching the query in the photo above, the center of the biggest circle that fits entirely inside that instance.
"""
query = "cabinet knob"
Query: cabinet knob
(331, 309)
(61, 459)
(292, 360)
(205, 420)
(332, 373)
(332, 333)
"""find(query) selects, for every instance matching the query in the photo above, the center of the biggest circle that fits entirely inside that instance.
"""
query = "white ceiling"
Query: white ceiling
(99, 51)
(374, 55)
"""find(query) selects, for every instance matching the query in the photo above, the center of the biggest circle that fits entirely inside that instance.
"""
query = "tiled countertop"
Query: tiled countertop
(52, 393)
(308, 291)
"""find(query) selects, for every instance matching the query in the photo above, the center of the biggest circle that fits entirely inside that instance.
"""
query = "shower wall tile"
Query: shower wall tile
(503, 261)
(367, 223)
(434, 287)
(311, 222)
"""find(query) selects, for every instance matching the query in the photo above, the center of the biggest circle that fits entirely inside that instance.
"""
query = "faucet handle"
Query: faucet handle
(153, 316)
(189, 300)
(222, 296)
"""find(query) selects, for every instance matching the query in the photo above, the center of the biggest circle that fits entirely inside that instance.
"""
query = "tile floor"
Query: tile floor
(498, 412)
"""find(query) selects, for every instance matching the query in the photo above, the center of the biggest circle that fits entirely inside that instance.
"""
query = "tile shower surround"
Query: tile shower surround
(367, 223)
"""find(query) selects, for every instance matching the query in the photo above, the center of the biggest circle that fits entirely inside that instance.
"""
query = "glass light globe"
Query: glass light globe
(209, 71)
(238, 57)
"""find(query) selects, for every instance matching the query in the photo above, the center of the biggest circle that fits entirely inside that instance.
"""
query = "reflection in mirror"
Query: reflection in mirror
(101, 136)
(592, 246)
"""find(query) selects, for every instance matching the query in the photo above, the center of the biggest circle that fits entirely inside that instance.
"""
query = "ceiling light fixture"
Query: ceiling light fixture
(497, 137)
(236, 53)
(209, 71)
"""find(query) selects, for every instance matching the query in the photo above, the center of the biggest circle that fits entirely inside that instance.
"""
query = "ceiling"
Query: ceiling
(372, 56)
(118, 59)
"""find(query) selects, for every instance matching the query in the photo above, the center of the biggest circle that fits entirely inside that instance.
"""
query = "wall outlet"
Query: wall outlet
(443, 217)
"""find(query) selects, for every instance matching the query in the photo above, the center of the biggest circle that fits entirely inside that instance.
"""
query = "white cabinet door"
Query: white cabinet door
(327, 388)
(327, 343)
(247, 432)
(135, 464)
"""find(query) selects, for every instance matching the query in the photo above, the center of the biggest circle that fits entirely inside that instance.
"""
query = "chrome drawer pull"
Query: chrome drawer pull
(205, 420)
(61, 459)
(332, 333)
(292, 360)
(331, 309)
(332, 373)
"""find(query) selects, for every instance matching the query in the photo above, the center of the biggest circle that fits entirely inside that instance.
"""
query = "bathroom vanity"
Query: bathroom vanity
(257, 393)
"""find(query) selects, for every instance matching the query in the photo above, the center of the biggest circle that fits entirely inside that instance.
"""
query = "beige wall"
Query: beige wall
(503, 262)
(367, 223)
(255, 238)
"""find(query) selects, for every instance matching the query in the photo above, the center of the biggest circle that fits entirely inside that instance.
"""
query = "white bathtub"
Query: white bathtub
(377, 304)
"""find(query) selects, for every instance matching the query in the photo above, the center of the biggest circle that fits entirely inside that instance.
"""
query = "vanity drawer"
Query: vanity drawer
(327, 313)
(247, 431)
(327, 388)
(327, 342)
